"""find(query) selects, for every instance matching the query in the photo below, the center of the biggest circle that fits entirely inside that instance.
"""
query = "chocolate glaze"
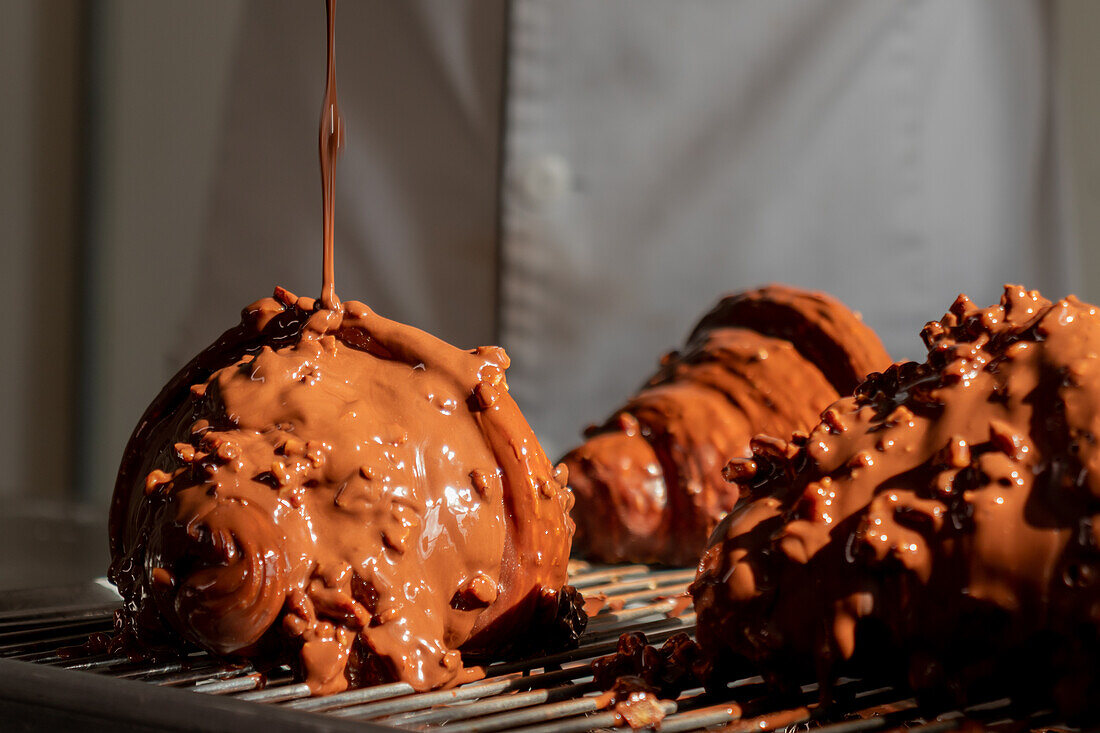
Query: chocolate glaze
(341, 489)
(938, 526)
(649, 482)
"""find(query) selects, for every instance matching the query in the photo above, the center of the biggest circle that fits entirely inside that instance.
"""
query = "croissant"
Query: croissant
(342, 493)
(648, 482)
(937, 528)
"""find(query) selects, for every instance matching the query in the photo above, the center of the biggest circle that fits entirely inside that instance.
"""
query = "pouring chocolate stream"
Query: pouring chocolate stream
(331, 143)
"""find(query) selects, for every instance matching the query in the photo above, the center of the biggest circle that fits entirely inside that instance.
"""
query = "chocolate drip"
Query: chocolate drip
(649, 481)
(938, 526)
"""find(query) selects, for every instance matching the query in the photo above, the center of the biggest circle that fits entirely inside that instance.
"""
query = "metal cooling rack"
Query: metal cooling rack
(548, 693)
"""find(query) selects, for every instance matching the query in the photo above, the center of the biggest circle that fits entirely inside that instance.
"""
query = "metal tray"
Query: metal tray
(41, 690)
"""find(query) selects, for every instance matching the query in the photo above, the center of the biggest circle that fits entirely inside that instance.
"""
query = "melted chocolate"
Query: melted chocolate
(341, 489)
(938, 526)
(331, 143)
(649, 481)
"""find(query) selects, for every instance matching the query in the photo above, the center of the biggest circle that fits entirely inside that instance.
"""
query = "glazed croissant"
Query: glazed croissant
(940, 525)
(648, 482)
(343, 493)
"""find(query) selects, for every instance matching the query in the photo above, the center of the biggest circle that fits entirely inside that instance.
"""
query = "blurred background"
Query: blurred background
(108, 137)
(109, 133)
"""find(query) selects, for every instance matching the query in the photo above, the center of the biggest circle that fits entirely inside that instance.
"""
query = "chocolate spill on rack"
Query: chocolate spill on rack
(548, 693)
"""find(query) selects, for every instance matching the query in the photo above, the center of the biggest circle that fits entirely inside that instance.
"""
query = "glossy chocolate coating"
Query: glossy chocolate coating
(938, 526)
(342, 492)
(649, 482)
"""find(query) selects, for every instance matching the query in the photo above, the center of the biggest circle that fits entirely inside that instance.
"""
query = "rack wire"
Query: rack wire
(555, 692)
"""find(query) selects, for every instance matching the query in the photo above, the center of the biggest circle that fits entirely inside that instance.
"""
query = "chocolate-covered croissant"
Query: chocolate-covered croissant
(334, 490)
(940, 526)
(648, 482)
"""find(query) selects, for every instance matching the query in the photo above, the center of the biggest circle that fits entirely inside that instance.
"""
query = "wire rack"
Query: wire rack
(547, 693)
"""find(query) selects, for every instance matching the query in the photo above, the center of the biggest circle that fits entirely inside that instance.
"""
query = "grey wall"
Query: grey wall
(159, 68)
(39, 156)
(162, 75)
